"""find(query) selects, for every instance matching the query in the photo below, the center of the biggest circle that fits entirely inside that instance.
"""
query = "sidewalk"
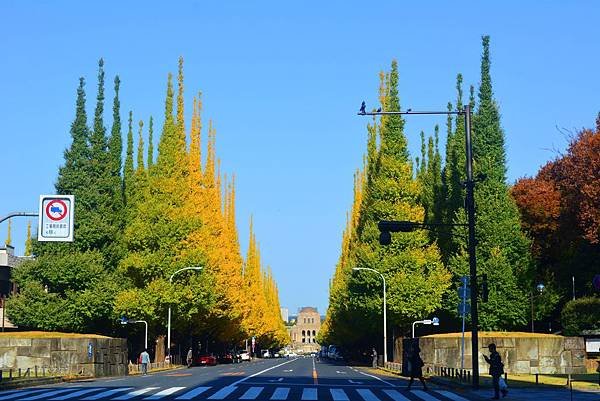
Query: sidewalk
(541, 394)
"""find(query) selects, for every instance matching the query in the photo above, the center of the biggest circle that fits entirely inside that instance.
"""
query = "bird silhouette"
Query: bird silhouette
(408, 110)
(379, 110)
(363, 106)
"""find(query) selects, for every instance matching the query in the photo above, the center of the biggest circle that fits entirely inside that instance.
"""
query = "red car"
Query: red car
(206, 360)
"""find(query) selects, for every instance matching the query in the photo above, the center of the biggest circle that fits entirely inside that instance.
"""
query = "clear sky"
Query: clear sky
(283, 81)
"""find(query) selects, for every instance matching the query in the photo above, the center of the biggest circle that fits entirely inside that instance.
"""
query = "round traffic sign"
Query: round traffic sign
(596, 282)
(56, 210)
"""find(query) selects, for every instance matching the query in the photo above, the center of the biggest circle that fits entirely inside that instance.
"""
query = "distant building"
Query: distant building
(8, 261)
(285, 314)
(304, 333)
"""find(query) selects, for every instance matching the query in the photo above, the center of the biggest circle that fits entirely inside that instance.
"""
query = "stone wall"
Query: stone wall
(520, 352)
(66, 355)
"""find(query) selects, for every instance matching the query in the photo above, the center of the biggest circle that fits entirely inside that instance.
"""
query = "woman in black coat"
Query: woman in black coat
(415, 366)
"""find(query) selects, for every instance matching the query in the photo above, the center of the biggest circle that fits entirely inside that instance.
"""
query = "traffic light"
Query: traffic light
(484, 288)
(396, 226)
(385, 238)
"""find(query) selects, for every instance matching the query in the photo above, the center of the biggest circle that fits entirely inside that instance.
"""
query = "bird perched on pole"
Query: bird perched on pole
(363, 106)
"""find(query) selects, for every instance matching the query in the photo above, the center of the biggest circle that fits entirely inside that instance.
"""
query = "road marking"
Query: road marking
(107, 393)
(314, 373)
(164, 393)
(367, 395)
(192, 393)
(135, 393)
(178, 374)
(280, 393)
(424, 396)
(77, 393)
(261, 372)
(251, 393)
(50, 394)
(396, 396)
(341, 373)
(450, 395)
(309, 394)
(224, 392)
(353, 382)
(19, 393)
(276, 380)
(338, 394)
(288, 370)
(375, 377)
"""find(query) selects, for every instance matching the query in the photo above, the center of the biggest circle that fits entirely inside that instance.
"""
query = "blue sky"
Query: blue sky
(282, 82)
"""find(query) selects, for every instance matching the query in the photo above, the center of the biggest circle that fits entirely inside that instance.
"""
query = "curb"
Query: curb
(8, 385)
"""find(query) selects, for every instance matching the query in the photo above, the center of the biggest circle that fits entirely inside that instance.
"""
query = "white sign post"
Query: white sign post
(56, 215)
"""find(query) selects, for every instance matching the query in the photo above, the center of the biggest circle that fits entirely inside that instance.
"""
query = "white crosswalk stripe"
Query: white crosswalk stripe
(134, 393)
(43, 395)
(338, 394)
(164, 393)
(107, 393)
(280, 393)
(76, 393)
(367, 395)
(251, 393)
(192, 393)
(395, 395)
(452, 396)
(309, 394)
(224, 392)
(424, 396)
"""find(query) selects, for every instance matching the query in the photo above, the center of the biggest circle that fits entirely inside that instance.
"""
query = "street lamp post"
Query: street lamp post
(470, 208)
(384, 312)
(125, 321)
(540, 288)
(435, 321)
(169, 316)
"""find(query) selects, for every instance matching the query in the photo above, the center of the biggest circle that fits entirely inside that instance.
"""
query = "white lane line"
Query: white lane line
(192, 393)
(375, 377)
(77, 393)
(424, 396)
(164, 393)
(367, 395)
(450, 395)
(135, 393)
(261, 372)
(107, 393)
(251, 393)
(396, 396)
(338, 394)
(19, 393)
(309, 394)
(224, 392)
(280, 393)
(50, 394)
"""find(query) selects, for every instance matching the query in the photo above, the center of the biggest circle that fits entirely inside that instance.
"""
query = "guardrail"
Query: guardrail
(20, 373)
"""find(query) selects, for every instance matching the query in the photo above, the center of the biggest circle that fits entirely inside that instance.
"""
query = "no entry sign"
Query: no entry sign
(56, 218)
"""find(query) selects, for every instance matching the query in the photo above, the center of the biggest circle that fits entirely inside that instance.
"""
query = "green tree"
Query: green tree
(502, 248)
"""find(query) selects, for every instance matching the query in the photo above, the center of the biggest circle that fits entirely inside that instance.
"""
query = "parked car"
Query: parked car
(226, 358)
(245, 356)
(206, 360)
(266, 354)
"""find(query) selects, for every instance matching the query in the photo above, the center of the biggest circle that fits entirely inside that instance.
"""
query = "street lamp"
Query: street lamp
(125, 321)
(435, 321)
(169, 318)
(469, 184)
(384, 312)
(540, 289)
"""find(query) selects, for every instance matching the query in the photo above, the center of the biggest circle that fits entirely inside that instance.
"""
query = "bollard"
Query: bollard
(10, 374)
(19, 372)
(537, 379)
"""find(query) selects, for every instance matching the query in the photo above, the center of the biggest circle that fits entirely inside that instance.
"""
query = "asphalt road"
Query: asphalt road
(299, 379)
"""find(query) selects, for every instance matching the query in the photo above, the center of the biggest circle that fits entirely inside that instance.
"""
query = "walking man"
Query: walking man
(415, 366)
(189, 358)
(374, 355)
(496, 370)
(145, 361)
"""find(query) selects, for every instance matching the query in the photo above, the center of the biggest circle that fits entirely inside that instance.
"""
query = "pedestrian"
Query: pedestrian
(496, 370)
(415, 366)
(374, 355)
(189, 358)
(145, 361)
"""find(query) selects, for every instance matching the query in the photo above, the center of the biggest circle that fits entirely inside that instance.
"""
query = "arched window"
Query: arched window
(303, 339)
(314, 340)
(314, 333)
(303, 333)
